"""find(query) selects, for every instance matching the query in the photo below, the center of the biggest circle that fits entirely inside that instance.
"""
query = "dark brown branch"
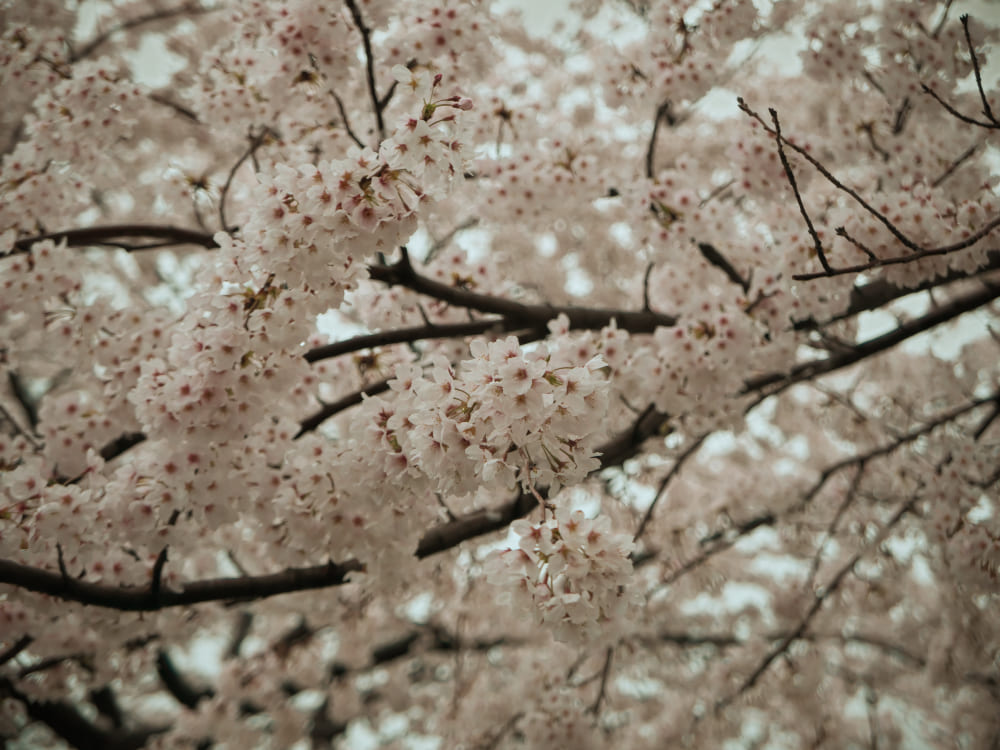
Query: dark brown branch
(409, 335)
(366, 41)
(724, 539)
(595, 707)
(893, 229)
(818, 601)
(987, 111)
(849, 497)
(962, 158)
(663, 111)
(674, 470)
(443, 242)
(937, 316)
(719, 542)
(790, 175)
(180, 109)
(177, 684)
(991, 120)
(402, 273)
(143, 599)
(121, 444)
(343, 117)
(954, 112)
(106, 703)
(74, 728)
(439, 539)
(909, 258)
(15, 648)
(244, 623)
(861, 459)
(112, 235)
(941, 21)
(879, 292)
(717, 259)
(477, 523)
(311, 423)
(29, 405)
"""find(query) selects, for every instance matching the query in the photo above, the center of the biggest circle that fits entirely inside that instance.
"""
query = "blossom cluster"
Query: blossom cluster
(315, 223)
(509, 415)
(572, 571)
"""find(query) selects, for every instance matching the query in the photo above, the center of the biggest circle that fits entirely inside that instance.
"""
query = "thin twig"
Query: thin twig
(442, 243)
(818, 601)
(674, 471)
(255, 143)
(987, 111)
(817, 243)
(910, 258)
(595, 707)
(343, 118)
(663, 111)
(369, 66)
(955, 165)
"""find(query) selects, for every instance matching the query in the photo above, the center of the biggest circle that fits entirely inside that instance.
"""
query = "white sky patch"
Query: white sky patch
(419, 609)
(153, 64)
(779, 566)
(733, 597)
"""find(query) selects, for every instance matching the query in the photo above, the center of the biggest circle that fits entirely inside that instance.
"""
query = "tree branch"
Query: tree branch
(366, 41)
(818, 601)
(144, 599)
(937, 316)
(255, 143)
(111, 235)
(918, 251)
(817, 243)
(74, 728)
(663, 111)
(402, 273)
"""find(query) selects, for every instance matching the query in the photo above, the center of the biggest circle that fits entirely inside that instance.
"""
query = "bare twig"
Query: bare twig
(817, 243)
(255, 143)
(662, 112)
(343, 118)
(710, 253)
(595, 707)
(366, 41)
(965, 155)
(819, 599)
(674, 471)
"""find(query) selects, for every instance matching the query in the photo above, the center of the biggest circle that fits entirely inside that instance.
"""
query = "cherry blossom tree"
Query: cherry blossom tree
(394, 373)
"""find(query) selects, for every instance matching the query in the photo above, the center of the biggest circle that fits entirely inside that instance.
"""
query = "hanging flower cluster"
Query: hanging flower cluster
(508, 416)
(571, 570)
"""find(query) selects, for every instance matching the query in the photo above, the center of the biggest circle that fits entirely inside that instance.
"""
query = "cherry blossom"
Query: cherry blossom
(417, 374)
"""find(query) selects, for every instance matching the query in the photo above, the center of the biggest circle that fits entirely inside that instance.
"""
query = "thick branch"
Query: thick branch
(410, 335)
(879, 292)
(403, 274)
(113, 235)
(437, 539)
(935, 317)
(145, 599)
